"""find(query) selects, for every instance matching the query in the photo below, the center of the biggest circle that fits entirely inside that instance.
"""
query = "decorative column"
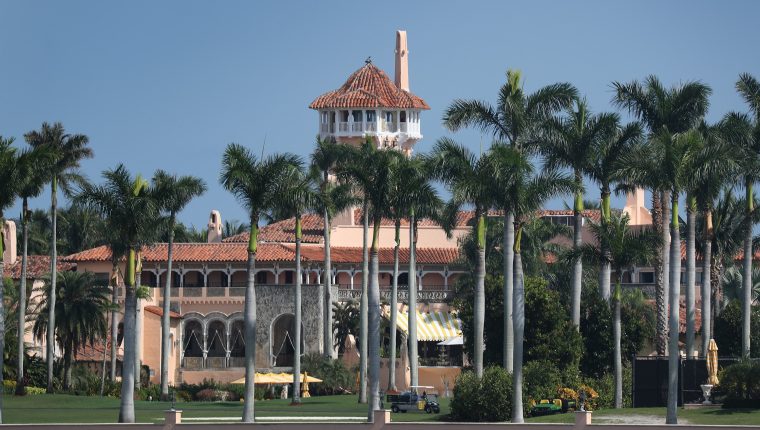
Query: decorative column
(204, 326)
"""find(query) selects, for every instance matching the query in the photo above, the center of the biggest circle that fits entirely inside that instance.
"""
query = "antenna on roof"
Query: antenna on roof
(264, 145)
(368, 60)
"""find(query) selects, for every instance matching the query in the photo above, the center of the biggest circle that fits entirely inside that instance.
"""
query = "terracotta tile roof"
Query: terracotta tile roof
(268, 252)
(37, 267)
(354, 255)
(464, 218)
(369, 87)
(682, 314)
(284, 231)
(196, 252)
(94, 352)
(155, 310)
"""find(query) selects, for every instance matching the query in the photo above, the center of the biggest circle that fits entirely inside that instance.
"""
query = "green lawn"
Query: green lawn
(61, 408)
(695, 416)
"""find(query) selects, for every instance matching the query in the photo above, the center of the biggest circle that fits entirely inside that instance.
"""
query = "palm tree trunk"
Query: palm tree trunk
(67, 352)
(249, 315)
(114, 317)
(327, 327)
(691, 273)
(394, 311)
(747, 272)
(127, 406)
(103, 366)
(578, 265)
(661, 298)
(22, 299)
(363, 309)
(138, 325)
(706, 284)
(509, 257)
(605, 268)
(374, 324)
(616, 330)
(50, 351)
(297, 318)
(165, 321)
(479, 307)
(674, 287)
(519, 314)
(414, 361)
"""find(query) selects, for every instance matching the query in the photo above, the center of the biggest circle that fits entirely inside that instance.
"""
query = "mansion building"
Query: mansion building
(208, 279)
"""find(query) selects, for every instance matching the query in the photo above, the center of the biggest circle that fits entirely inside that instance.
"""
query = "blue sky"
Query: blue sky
(169, 84)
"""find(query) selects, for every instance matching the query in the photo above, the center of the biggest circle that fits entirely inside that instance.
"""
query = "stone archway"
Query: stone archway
(282, 336)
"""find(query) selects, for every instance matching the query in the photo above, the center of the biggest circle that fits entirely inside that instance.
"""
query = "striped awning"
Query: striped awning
(432, 326)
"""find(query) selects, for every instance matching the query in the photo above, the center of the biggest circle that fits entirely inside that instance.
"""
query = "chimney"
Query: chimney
(402, 61)
(635, 208)
(214, 233)
(9, 242)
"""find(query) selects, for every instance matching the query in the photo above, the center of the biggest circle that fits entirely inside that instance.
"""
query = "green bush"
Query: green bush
(336, 378)
(541, 379)
(605, 387)
(740, 383)
(487, 399)
(728, 331)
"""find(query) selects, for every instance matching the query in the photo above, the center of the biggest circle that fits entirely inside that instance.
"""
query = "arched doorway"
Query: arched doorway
(193, 348)
(282, 338)
(237, 344)
(217, 344)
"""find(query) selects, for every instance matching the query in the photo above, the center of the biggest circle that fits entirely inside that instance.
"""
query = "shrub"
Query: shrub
(336, 378)
(149, 392)
(541, 380)
(605, 387)
(487, 399)
(728, 330)
(215, 395)
(741, 384)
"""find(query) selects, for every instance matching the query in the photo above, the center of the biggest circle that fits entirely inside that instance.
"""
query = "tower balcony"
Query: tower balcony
(400, 125)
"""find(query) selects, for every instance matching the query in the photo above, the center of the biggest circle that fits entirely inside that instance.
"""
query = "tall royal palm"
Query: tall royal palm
(662, 110)
(130, 206)
(604, 170)
(332, 199)
(82, 310)
(68, 150)
(31, 179)
(174, 193)
(297, 195)
(529, 191)
(569, 141)
(512, 120)
(468, 178)
(412, 197)
(253, 182)
(672, 155)
(624, 249)
(375, 181)
(748, 143)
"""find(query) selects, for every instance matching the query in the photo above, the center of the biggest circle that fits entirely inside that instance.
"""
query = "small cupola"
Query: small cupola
(214, 233)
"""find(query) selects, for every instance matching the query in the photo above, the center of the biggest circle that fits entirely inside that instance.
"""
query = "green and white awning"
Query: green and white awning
(432, 326)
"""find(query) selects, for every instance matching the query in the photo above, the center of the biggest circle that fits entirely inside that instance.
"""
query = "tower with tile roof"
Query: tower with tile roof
(370, 105)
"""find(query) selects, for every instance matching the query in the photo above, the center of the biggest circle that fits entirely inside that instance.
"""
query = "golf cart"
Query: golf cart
(413, 401)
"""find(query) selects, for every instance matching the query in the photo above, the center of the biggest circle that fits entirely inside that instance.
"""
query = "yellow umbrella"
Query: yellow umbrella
(262, 378)
(712, 363)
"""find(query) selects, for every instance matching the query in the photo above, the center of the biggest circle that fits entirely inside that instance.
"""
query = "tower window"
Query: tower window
(403, 116)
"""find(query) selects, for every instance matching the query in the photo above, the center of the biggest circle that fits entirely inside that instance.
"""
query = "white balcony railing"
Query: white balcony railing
(343, 127)
(356, 127)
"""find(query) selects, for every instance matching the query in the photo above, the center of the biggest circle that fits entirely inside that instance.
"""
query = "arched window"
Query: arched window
(403, 279)
(217, 339)
(281, 340)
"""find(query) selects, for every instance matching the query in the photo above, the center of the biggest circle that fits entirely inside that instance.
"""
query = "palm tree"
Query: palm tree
(32, 177)
(662, 110)
(623, 249)
(747, 140)
(297, 195)
(469, 180)
(345, 323)
(374, 178)
(529, 192)
(512, 120)
(233, 227)
(412, 197)
(69, 150)
(331, 200)
(9, 182)
(570, 141)
(354, 169)
(253, 182)
(733, 282)
(130, 206)
(604, 169)
(174, 193)
(81, 314)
